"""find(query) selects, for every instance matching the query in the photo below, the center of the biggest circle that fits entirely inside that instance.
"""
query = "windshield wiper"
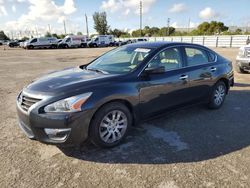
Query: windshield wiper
(97, 70)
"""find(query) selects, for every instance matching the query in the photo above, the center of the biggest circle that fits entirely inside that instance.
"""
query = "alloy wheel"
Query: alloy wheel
(219, 95)
(113, 126)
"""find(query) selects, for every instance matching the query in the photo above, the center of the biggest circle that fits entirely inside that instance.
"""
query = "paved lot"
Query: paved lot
(195, 147)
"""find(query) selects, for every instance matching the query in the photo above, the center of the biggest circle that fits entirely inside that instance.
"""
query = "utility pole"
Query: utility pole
(168, 31)
(65, 31)
(141, 16)
(87, 26)
(189, 23)
(49, 28)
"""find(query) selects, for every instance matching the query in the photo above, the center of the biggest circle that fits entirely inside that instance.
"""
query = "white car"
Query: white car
(73, 41)
(102, 41)
(44, 42)
(243, 59)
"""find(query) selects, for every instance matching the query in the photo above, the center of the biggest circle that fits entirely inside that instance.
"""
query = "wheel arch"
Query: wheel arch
(226, 82)
(122, 101)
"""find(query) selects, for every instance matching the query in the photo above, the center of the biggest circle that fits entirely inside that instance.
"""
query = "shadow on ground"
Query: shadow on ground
(190, 135)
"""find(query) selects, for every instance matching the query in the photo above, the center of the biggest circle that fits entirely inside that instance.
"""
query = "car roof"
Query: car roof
(161, 44)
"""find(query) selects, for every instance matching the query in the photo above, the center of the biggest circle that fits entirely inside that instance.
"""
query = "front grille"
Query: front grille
(26, 102)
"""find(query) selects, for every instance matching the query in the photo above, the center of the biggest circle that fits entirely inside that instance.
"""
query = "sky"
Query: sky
(39, 16)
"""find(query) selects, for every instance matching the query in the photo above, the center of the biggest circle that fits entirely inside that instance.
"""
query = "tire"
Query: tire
(30, 47)
(240, 70)
(218, 95)
(103, 132)
(83, 46)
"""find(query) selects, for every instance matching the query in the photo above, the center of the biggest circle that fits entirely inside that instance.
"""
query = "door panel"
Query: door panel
(165, 90)
(200, 72)
(160, 92)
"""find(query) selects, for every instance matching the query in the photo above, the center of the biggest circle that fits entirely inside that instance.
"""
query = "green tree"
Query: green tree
(119, 33)
(79, 33)
(48, 34)
(211, 28)
(55, 35)
(25, 38)
(3, 36)
(116, 32)
(165, 31)
(101, 23)
(61, 36)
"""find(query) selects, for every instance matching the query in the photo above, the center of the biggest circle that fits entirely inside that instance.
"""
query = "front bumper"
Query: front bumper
(58, 129)
(244, 63)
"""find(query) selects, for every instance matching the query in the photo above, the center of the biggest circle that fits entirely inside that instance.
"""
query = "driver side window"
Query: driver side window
(169, 58)
(33, 41)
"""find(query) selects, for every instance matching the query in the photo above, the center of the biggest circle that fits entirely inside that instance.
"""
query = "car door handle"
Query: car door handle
(183, 77)
(213, 69)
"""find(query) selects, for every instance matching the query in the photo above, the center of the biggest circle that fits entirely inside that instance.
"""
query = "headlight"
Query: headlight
(71, 104)
(241, 53)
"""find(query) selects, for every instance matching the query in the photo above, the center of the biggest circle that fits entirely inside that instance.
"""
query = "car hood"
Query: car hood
(67, 80)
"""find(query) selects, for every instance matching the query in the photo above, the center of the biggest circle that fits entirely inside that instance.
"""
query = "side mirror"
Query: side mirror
(155, 70)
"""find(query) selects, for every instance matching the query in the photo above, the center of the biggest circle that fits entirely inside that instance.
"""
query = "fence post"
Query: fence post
(231, 41)
(217, 41)
(192, 40)
(203, 41)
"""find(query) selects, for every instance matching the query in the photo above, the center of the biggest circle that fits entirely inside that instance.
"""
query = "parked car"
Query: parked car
(73, 41)
(1, 43)
(14, 43)
(243, 59)
(43, 42)
(101, 41)
(22, 44)
(120, 43)
(141, 40)
(105, 98)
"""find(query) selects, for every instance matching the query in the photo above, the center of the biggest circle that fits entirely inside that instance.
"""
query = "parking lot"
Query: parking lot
(195, 147)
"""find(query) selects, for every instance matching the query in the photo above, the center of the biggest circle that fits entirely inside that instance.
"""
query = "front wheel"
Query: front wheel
(218, 95)
(110, 125)
(240, 70)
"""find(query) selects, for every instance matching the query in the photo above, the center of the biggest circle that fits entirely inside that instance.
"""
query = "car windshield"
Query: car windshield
(120, 61)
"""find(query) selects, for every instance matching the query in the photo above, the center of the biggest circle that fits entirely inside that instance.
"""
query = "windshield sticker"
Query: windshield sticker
(143, 50)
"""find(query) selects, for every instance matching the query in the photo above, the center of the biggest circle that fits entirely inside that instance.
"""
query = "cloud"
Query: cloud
(126, 6)
(188, 25)
(3, 11)
(208, 13)
(42, 12)
(13, 8)
(177, 8)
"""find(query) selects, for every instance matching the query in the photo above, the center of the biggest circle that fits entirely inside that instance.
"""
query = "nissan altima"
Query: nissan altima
(102, 100)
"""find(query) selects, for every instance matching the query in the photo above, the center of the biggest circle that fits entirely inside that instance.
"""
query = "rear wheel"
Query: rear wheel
(218, 95)
(110, 125)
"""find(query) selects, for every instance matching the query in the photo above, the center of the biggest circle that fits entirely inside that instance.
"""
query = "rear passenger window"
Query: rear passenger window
(170, 59)
(212, 57)
(196, 56)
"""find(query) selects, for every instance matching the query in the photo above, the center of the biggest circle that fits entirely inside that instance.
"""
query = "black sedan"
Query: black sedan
(15, 43)
(119, 89)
